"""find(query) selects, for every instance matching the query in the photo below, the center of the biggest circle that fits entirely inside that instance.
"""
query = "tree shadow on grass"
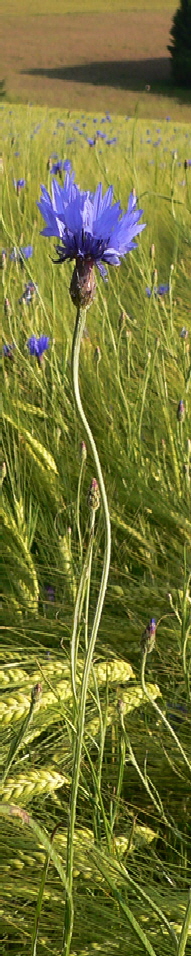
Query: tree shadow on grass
(133, 75)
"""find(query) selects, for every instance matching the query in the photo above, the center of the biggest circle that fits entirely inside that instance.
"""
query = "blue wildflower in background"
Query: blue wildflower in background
(61, 165)
(38, 346)
(91, 230)
(18, 255)
(158, 290)
(29, 292)
(8, 351)
(19, 184)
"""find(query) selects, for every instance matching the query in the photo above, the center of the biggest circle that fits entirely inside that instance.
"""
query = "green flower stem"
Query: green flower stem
(121, 768)
(69, 908)
(84, 582)
(78, 505)
(159, 711)
(185, 928)
(89, 577)
(18, 739)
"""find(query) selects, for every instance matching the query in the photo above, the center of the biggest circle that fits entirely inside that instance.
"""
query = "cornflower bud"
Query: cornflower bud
(36, 692)
(97, 354)
(120, 707)
(83, 451)
(181, 411)
(7, 307)
(83, 284)
(149, 636)
(94, 495)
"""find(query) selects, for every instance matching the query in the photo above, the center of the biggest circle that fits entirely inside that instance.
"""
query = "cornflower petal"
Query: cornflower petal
(89, 225)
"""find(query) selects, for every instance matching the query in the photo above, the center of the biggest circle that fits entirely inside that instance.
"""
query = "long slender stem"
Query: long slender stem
(69, 909)
(159, 711)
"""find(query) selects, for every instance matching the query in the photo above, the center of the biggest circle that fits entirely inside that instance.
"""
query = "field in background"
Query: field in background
(77, 56)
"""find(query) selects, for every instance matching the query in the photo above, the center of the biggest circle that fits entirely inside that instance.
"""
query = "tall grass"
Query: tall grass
(132, 867)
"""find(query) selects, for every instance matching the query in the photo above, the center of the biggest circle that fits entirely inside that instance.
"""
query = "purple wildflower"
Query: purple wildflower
(29, 292)
(67, 165)
(158, 290)
(61, 165)
(110, 142)
(38, 346)
(19, 184)
(18, 255)
(91, 230)
(8, 351)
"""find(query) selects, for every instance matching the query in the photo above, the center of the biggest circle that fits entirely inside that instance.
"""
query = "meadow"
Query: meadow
(130, 840)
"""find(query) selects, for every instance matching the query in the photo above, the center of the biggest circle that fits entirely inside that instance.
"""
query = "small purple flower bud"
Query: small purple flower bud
(94, 495)
(149, 636)
(181, 411)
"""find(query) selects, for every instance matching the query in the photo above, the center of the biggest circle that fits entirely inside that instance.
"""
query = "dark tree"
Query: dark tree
(180, 48)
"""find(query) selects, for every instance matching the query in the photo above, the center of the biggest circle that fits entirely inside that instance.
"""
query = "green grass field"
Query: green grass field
(132, 840)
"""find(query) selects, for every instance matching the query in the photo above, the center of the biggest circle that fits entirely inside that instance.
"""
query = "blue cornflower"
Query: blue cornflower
(19, 184)
(110, 142)
(30, 290)
(38, 346)
(61, 165)
(25, 252)
(67, 165)
(8, 351)
(91, 230)
(158, 290)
